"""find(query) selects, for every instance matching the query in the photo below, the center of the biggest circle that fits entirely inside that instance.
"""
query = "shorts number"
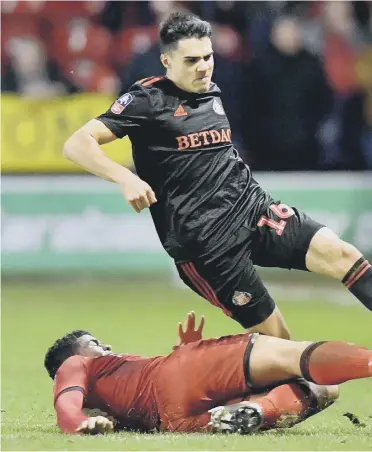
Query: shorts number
(280, 210)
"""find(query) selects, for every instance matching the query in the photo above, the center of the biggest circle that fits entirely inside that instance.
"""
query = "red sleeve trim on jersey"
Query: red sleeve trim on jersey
(152, 80)
(139, 82)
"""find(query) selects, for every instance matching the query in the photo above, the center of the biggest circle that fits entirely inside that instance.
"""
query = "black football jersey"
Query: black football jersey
(182, 147)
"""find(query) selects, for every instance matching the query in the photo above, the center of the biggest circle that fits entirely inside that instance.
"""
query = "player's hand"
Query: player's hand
(138, 193)
(93, 425)
(188, 333)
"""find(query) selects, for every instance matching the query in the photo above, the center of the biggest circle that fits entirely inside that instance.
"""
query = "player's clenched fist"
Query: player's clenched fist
(94, 425)
(138, 193)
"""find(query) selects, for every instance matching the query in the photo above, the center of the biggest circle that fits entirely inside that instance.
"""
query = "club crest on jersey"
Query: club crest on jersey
(241, 298)
(121, 103)
(217, 107)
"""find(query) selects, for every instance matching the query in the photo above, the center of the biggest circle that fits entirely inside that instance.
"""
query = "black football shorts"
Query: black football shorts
(229, 280)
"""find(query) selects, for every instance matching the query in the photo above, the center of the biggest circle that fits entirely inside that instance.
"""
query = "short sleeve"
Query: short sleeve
(71, 375)
(129, 112)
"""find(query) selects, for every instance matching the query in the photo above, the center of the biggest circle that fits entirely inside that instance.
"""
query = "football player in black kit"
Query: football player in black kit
(211, 216)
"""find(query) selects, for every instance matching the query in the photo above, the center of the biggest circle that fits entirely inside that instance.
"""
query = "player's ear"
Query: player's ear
(164, 60)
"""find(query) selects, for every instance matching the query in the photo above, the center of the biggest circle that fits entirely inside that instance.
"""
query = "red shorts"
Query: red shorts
(198, 377)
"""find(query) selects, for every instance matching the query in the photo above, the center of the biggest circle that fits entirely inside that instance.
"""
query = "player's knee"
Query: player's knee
(330, 255)
(349, 253)
(344, 258)
(333, 249)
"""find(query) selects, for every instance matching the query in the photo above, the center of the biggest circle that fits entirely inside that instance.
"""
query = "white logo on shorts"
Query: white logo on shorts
(241, 298)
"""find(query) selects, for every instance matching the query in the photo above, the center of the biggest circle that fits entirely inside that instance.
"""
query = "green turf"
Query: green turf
(143, 319)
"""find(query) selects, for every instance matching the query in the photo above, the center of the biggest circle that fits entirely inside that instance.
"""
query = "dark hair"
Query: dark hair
(179, 26)
(62, 349)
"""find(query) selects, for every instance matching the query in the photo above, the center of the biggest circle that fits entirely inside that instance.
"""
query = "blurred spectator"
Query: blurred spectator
(344, 40)
(287, 97)
(225, 12)
(364, 77)
(335, 35)
(82, 49)
(30, 72)
(116, 15)
(145, 58)
(259, 19)
(80, 38)
(363, 15)
(89, 76)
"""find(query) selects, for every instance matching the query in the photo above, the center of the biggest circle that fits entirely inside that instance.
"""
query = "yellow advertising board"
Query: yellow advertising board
(34, 130)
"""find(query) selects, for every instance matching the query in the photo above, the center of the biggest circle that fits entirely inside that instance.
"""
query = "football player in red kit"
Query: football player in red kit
(216, 385)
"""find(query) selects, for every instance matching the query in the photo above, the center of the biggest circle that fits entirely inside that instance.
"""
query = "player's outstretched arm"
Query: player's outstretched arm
(83, 148)
(70, 385)
(69, 411)
(71, 419)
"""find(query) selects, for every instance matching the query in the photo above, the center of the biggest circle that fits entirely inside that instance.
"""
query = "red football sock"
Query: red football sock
(330, 363)
(359, 281)
(285, 405)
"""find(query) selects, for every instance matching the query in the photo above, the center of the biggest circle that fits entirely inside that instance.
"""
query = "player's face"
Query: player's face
(190, 66)
(91, 347)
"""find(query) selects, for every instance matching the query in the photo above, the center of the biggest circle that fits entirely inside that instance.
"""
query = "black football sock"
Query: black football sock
(359, 281)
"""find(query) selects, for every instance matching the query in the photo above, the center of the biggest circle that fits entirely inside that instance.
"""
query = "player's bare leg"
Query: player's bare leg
(273, 360)
(274, 325)
(331, 256)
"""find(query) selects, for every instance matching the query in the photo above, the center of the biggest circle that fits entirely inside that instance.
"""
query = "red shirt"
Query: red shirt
(116, 384)
(169, 393)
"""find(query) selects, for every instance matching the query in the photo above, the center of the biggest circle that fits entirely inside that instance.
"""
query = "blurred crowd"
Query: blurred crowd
(296, 77)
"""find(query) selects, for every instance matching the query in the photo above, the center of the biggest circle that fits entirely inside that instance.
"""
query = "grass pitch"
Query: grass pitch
(142, 318)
